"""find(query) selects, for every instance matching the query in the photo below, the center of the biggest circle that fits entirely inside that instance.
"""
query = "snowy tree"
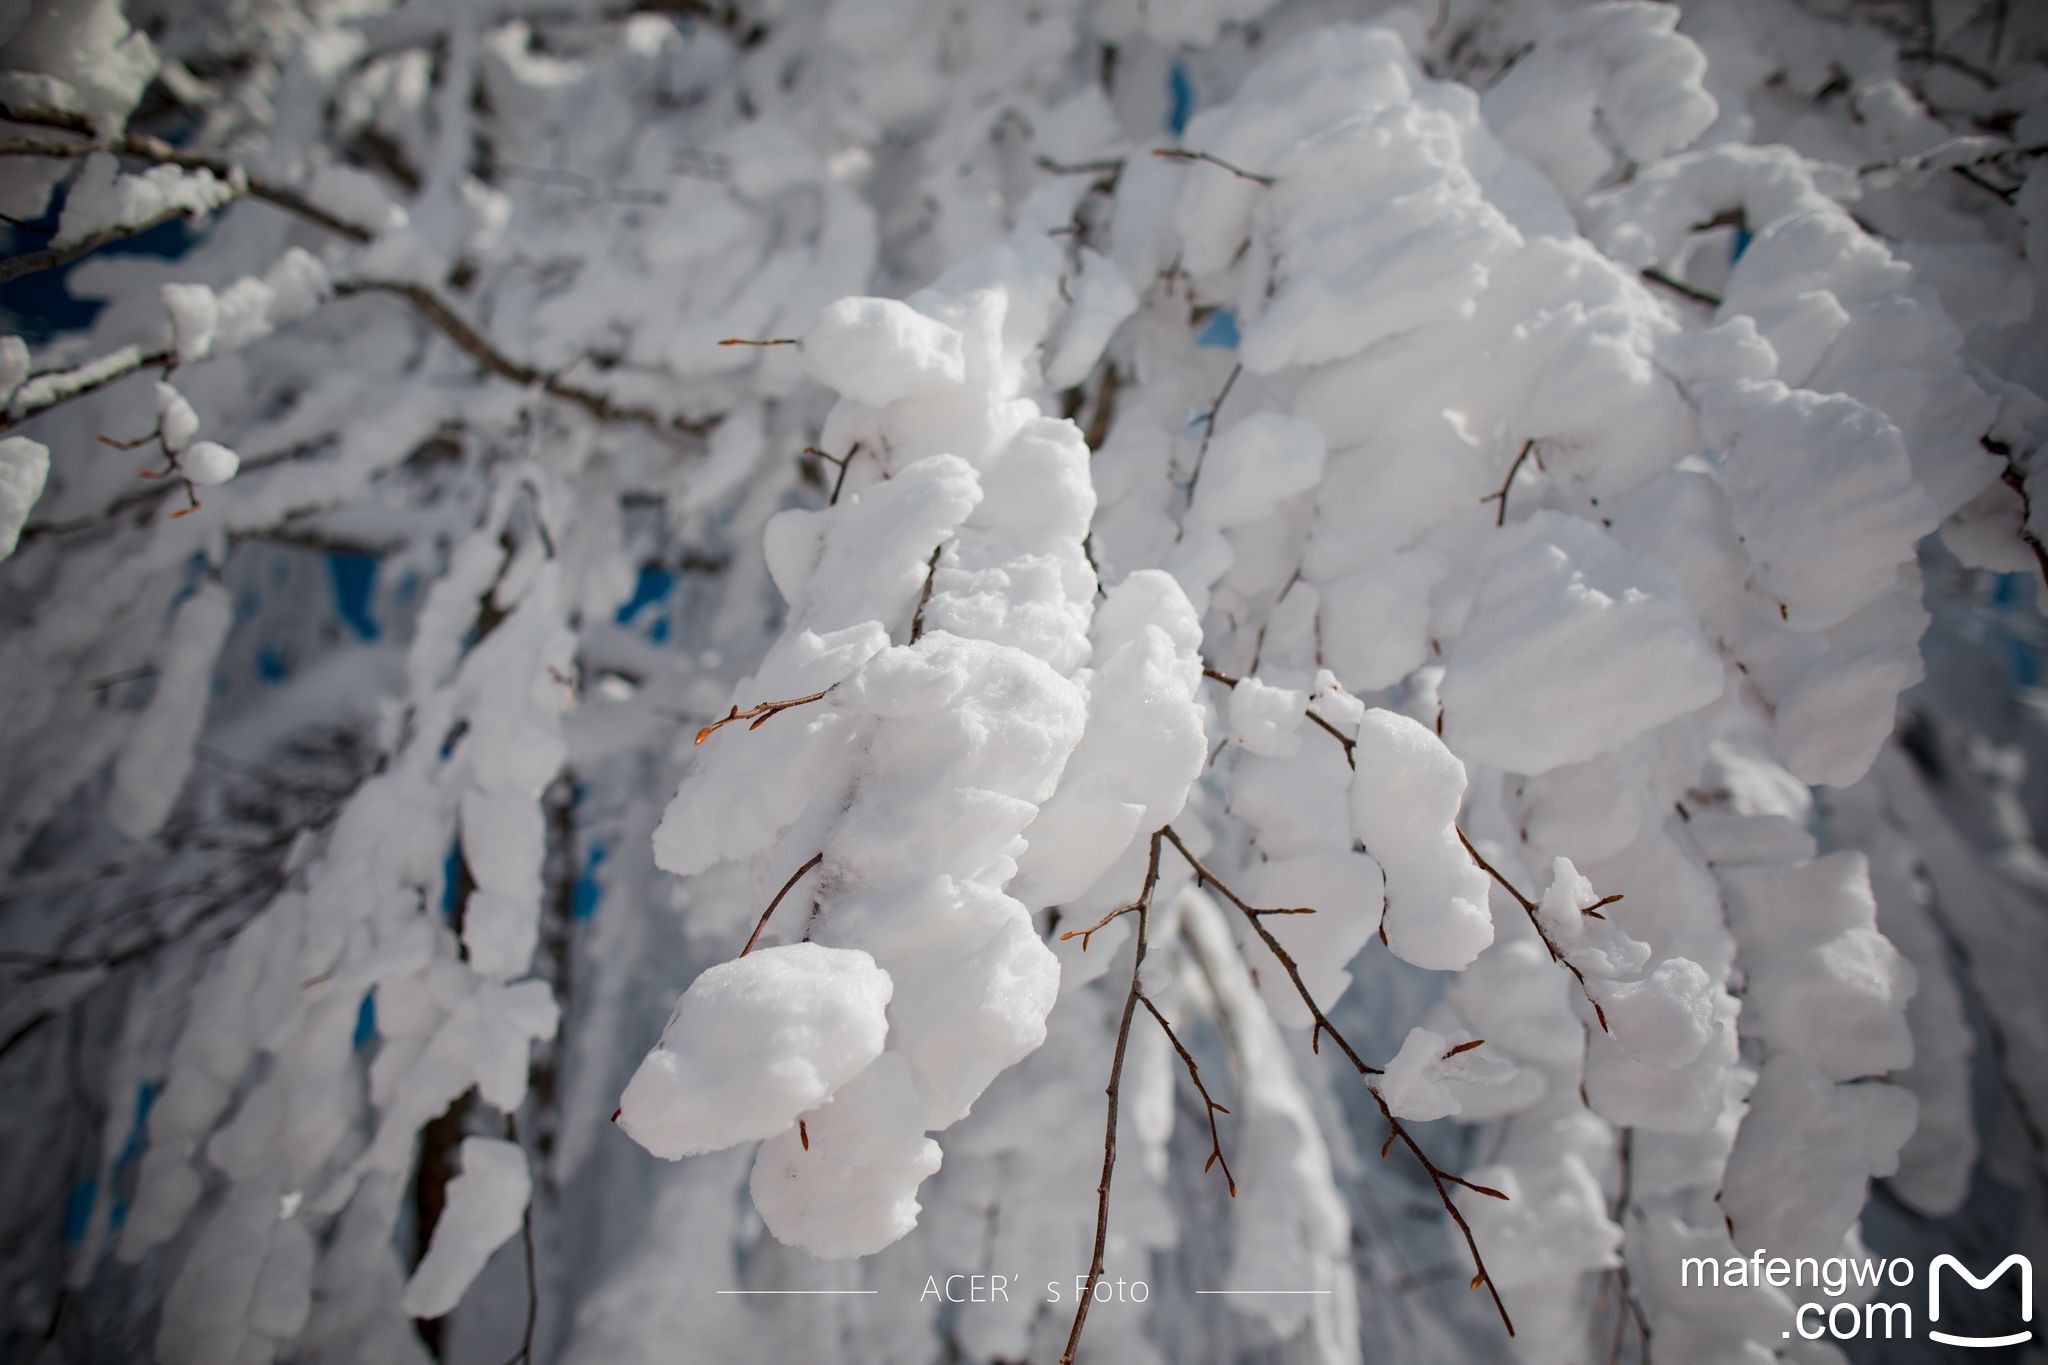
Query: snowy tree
(1306, 680)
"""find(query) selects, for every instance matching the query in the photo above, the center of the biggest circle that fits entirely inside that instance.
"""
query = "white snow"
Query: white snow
(1805, 1155)
(152, 768)
(1265, 719)
(208, 463)
(1256, 464)
(195, 315)
(176, 422)
(854, 1191)
(1404, 809)
(1416, 1085)
(24, 467)
(877, 351)
(752, 1044)
(486, 1203)
(1565, 610)
(104, 198)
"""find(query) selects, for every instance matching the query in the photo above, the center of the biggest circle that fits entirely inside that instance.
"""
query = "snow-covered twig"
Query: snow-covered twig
(45, 391)
(1536, 923)
(142, 147)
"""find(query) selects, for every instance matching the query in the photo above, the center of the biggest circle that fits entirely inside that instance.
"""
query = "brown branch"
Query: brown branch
(1188, 154)
(1349, 744)
(1209, 424)
(760, 713)
(1322, 1021)
(1529, 908)
(762, 923)
(1630, 1305)
(444, 319)
(924, 598)
(1114, 1090)
(49, 258)
(1211, 1108)
(840, 462)
(1500, 517)
(1678, 286)
(1438, 1177)
(768, 341)
(1105, 166)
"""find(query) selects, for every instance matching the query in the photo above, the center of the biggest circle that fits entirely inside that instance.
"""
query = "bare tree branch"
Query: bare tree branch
(760, 713)
(1116, 1077)
(1439, 1178)
(1500, 516)
(762, 923)
(1529, 908)
(1210, 1107)
(444, 319)
(1189, 154)
(1678, 286)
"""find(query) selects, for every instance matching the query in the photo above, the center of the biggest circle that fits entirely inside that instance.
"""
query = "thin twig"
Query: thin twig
(840, 462)
(1209, 424)
(1630, 1306)
(1678, 286)
(1211, 1108)
(1114, 1090)
(1281, 955)
(924, 598)
(1189, 154)
(444, 319)
(1350, 745)
(760, 713)
(762, 923)
(1500, 517)
(50, 257)
(1105, 166)
(1529, 908)
(1438, 1177)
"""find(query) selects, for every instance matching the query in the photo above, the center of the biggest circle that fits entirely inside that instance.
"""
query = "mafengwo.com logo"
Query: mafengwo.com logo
(1876, 1318)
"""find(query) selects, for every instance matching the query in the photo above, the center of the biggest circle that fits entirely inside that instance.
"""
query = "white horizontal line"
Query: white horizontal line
(1262, 1291)
(799, 1291)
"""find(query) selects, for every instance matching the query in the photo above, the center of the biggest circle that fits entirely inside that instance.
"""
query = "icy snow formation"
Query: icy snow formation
(1494, 484)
